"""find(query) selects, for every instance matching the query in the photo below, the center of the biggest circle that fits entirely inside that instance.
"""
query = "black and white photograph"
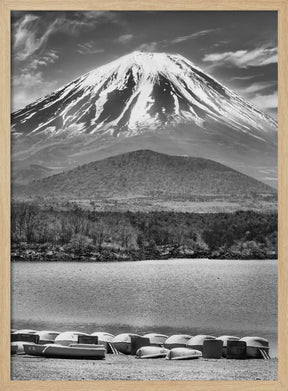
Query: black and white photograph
(144, 210)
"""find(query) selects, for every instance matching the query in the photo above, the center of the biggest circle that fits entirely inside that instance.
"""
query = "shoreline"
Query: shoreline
(87, 259)
(123, 368)
(140, 260)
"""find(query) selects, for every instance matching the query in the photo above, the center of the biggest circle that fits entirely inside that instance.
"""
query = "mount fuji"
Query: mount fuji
(143, 100)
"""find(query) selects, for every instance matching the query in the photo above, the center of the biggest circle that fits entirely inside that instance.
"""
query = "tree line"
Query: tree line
(139, 235)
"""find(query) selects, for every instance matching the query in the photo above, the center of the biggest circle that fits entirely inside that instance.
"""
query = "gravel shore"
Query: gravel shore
(121, 367)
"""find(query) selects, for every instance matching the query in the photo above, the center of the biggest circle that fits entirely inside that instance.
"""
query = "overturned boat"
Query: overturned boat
(177, 341)
(151, 352)
(105, 339)
(225, 339)
(122, 342)
(103, 336)
(68, 337)
(25, 331)
(25, 335)
(47, 336)
(183, 354)
(156, 339)
(197, 342)
(75, 351)
(34, 349)
(257, 347)
(17, 347)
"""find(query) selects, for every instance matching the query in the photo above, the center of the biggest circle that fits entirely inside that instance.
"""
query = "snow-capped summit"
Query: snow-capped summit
(155, 101)
(138, 92)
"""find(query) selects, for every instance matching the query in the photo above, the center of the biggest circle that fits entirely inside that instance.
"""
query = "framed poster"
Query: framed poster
(145, 142)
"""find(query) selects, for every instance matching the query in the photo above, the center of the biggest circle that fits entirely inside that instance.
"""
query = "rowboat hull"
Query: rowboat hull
(34, 350)
(151, 352)
(156, 339)
(177, 341)
(73, 352)
(257, 347)
(19, 346)
(197, 341)
(122, 342)
(183, 354)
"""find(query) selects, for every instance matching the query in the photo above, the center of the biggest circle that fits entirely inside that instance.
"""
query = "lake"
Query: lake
(193, 296)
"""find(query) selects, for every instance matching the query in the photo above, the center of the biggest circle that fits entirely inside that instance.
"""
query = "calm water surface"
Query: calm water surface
(179, 295)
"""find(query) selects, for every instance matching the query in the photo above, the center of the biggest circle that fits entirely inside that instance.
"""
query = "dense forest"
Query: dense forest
(54, 234)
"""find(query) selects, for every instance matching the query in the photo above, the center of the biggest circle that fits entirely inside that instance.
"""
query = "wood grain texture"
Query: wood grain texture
(144, 5)
(6, 7)
(282, 195)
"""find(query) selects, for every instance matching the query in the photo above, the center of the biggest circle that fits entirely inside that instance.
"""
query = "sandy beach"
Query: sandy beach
(121, 367)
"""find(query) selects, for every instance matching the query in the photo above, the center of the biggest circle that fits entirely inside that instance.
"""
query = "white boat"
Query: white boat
(103, 337)
(68, 337)
(156, 339)
(151, 352)
(34, 349)
(122, 342)
(19, 346)
(197, 341)
(257, 347)
(85, 345)
(25, 335)
(183, 354)
(77, 351)
(106, 339)
(26, 331)
(47, 336)
(177, 341)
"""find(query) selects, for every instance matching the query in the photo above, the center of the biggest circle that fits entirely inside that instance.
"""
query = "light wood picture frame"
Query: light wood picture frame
(281, 6)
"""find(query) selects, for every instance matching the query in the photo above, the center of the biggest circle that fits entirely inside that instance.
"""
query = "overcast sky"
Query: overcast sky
(49, 49)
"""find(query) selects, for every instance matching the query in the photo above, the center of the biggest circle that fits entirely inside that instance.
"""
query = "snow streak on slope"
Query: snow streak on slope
(140, 91)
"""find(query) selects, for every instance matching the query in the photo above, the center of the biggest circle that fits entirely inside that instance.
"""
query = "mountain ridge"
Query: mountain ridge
(149, 175)
(143, 100)
(139, 90)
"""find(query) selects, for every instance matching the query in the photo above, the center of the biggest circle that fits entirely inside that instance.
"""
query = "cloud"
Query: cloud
(125, 38)
(266, 101)
(157, 45)
(244, 58)
(245, 77)
(221, 43)
(193, 36)
(88, 48)
(149, 47)
(30, 84)
(99, 16)
(255, 87)
(30, 35)
(31, 32)
(263, 94)
(28, 87)
(49, 57)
